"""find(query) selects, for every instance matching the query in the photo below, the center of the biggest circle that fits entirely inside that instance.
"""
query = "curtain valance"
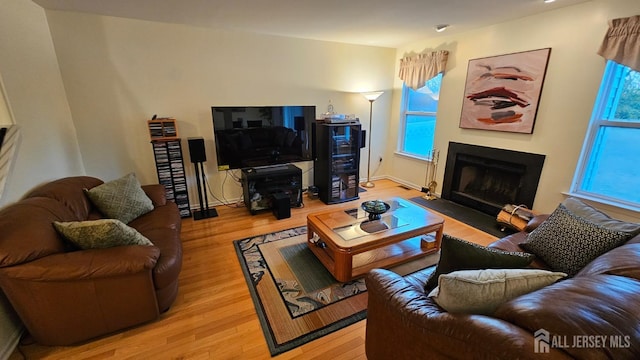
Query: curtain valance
(622, 42)
(415, 70)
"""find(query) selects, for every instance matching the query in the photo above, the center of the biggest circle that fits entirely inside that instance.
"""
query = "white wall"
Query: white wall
(47, 148)
(571, 84)
(119, 72)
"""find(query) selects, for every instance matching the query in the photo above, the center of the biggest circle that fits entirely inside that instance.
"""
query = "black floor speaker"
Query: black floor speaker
(281, 205)
(196, 150)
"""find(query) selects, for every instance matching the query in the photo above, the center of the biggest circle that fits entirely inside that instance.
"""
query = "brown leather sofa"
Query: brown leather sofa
(603, 299)
(65, 296)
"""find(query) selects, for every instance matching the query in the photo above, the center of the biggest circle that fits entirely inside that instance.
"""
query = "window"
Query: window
(608, 169)
(418, 118)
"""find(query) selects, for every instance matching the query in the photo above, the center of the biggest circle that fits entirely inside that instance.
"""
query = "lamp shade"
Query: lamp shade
(373, 95)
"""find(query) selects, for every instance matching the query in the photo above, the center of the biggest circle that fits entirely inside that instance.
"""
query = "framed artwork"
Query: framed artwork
(502, 92)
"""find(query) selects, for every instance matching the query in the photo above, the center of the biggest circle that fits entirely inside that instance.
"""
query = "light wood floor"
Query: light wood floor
(213, 316)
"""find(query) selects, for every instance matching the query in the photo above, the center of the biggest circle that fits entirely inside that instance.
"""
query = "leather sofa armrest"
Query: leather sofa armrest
(404, 323)
(68, 298)
(87, 264)
(535, 222)
(157, 194)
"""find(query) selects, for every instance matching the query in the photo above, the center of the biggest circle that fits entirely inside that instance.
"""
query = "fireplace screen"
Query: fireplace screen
(497, 183)
(486, 178)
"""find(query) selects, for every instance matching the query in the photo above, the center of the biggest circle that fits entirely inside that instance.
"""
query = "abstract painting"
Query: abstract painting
(502, 92)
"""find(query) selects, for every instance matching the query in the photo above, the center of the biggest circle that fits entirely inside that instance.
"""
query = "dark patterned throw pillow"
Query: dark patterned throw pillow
(568, 242)
(457, 254)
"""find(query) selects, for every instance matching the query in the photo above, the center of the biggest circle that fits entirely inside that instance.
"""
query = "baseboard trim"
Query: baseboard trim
(406, 183)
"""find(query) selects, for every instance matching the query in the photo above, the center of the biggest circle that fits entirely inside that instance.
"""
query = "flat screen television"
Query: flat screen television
(255, 136)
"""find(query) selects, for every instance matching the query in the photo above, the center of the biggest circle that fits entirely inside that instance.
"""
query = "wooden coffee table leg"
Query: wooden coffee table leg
(343, 266)
(439, 233)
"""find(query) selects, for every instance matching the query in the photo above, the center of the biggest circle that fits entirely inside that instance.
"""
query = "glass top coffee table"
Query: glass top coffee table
(348, 244)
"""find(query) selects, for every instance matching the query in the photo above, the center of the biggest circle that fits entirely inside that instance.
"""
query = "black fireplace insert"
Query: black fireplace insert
(486, 178)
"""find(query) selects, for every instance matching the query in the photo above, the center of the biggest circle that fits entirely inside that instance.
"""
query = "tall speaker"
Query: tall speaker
(198, 157)
(196, 150)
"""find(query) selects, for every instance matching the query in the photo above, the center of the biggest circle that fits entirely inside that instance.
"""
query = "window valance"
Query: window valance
(415, 70)
(622, 42)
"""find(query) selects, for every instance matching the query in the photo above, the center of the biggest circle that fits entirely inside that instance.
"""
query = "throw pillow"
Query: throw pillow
(121, 199)
(596, 216)
(568, 242)
(457, 254)
(100, 234)
(482, 291)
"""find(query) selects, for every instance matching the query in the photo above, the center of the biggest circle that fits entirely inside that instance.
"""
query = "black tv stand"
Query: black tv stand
(261, 183)
(267, 169)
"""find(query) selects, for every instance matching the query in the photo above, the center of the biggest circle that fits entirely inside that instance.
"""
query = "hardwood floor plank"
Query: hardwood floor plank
(214, 316)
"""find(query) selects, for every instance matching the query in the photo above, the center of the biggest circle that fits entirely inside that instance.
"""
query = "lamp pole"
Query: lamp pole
(371, 96)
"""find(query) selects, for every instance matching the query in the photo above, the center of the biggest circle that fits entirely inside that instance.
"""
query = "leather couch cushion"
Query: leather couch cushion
(69, 192)
(623, 260)
(594, 306)
(512, 243)
(482, 291)
(458, 254)
(162, 227)
(634, 240)
(568, 242)
(420, 277)
(170, 262)
(27, 230)
(121, 199)
(100, 234)
(157, 193)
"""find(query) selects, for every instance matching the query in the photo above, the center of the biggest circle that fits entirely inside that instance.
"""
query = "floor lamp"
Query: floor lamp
(371, 96)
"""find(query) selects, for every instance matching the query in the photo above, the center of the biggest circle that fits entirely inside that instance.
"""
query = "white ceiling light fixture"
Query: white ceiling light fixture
(441, 27)
(548, 1)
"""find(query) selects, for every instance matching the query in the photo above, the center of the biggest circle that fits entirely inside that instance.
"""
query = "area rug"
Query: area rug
(297, 300)
(469, 216)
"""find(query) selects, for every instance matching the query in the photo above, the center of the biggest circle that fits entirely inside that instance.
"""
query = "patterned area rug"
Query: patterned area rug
(297, 300)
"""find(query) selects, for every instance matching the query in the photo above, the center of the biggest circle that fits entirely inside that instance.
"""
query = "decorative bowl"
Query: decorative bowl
(375, 208)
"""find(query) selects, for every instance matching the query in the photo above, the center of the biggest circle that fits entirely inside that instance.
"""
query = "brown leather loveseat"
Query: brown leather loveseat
(592, 315)
(65, 295)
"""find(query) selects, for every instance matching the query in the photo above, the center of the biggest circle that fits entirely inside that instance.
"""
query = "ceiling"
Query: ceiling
(382, 23)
